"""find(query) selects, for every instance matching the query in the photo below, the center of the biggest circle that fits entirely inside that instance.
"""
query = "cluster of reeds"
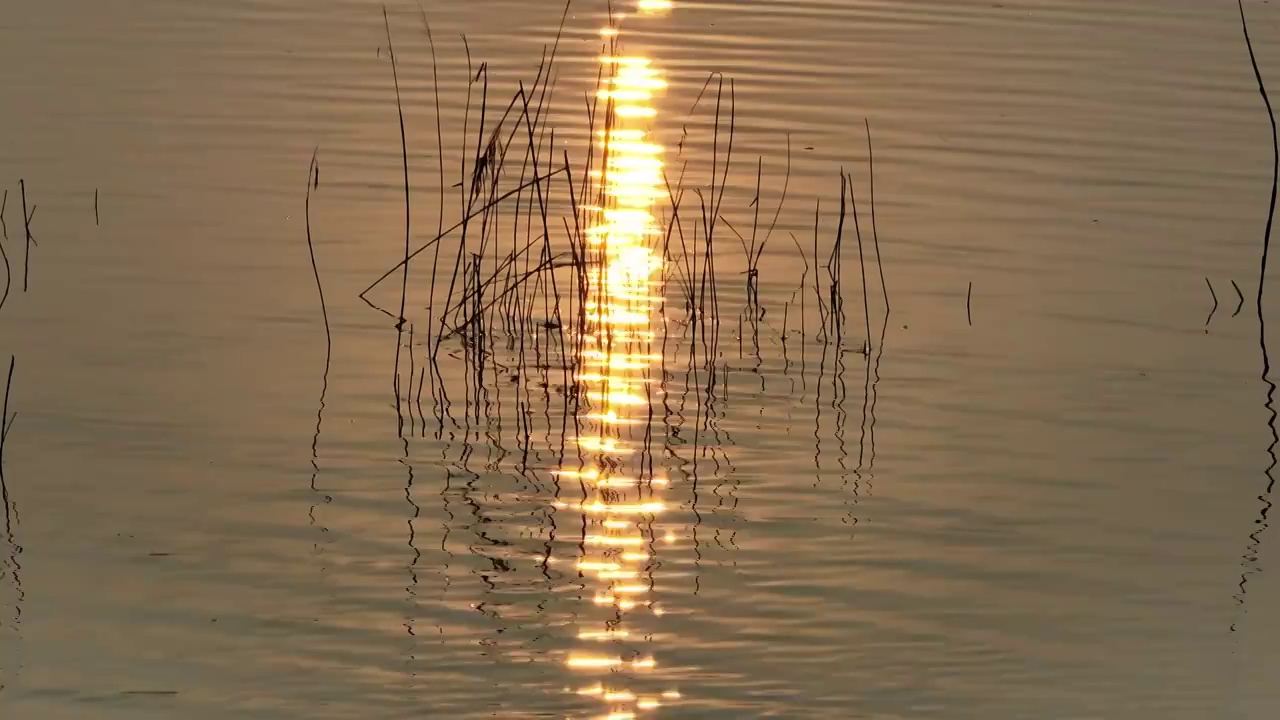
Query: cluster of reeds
(29, 240)
(508, 282)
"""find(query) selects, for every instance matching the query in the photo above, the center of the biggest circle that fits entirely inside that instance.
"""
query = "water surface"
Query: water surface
(1047, 514)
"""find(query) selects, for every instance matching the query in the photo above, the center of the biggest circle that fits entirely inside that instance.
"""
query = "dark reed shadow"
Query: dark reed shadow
(1250, 557)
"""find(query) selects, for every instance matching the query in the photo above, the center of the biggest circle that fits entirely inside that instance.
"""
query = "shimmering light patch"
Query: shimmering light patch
(648, 508)
(618, 398)
(608, 541)
(586, 475)
(603, 635)
(604, 445)
(601, 662)
(594, 662)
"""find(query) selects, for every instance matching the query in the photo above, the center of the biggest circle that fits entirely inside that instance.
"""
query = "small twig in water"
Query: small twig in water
(1214, 309)
(968, 304)
(1239, 305)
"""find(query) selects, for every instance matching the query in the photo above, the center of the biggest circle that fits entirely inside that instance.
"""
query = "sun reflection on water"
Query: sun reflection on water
(624, 498)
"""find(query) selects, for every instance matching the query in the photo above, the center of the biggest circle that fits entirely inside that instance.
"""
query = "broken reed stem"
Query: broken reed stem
(1214, 309)
(475, 213)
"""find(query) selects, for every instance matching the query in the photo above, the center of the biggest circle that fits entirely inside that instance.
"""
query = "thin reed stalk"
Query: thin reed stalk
(313, 183)
(404, 153)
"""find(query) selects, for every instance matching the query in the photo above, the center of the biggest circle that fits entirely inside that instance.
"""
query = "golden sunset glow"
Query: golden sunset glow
(623, 502)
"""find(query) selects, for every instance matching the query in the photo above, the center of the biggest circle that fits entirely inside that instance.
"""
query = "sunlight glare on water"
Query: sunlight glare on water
(624, 496)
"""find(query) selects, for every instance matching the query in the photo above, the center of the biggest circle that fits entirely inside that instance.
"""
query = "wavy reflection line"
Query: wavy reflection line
(446, 526)
(317, 495)
(1250, 558)
(411, 589)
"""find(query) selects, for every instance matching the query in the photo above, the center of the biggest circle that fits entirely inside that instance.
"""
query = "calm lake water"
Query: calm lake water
(1041, 495)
